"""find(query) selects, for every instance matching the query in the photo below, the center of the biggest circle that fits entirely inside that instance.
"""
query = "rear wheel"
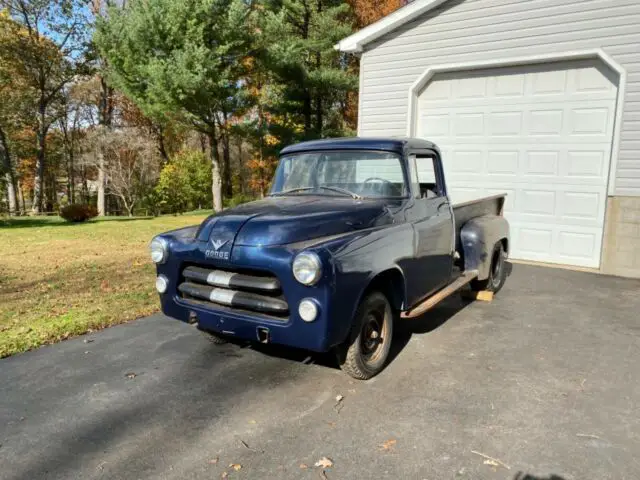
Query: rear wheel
(365, 353)
(497, 272)
(214, 338)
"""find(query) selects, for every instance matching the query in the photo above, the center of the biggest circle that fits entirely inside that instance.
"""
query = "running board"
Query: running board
(436, 298)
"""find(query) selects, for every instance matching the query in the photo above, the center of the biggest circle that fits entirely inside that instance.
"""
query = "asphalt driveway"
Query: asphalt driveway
(545, 380)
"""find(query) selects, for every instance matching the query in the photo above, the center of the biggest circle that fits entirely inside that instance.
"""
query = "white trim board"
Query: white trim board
(430, 72)
(355, 43)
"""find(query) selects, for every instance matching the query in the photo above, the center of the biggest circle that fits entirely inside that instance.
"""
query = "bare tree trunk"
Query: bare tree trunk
(38, 181)
(21, 201)
(51, 193)
(10, 178)
(241, 177)
(101, 191)
(226, 158)
(128, 207)
(203, 143)
(162, 148)
(216, 178)
(71, 178)
(319, 97)
(105, 120)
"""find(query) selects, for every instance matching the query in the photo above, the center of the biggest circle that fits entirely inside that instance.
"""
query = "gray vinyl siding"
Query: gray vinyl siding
(463, 31)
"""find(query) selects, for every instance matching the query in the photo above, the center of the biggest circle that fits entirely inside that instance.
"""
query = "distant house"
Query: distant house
(538, 98)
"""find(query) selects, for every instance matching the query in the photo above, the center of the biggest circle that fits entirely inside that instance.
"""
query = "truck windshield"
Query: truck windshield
(355, 173)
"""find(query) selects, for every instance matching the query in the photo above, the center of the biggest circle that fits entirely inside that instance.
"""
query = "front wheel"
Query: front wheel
(497, 272)
(366, 351)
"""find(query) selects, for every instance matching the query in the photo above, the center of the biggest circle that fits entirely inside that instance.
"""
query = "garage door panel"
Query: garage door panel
(573, 246)
(585, 165)
(542, 134)
(503, 162)
(581, 98)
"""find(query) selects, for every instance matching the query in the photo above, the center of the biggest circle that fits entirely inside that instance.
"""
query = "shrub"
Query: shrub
(238, 199)
(185, 183)
(77, 212)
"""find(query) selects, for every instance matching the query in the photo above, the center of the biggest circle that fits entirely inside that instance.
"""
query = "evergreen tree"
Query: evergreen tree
(181, 57)
(312, 81)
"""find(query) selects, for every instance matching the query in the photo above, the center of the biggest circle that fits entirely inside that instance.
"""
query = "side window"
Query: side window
(427, 178)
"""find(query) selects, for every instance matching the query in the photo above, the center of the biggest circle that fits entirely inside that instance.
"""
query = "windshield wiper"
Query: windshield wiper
(306, 189)
(341, 190)
(292, 190)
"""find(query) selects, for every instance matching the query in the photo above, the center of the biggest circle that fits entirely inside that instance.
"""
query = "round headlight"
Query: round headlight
(308, 310)
(162, 283)
(159, 250)
(307, 268)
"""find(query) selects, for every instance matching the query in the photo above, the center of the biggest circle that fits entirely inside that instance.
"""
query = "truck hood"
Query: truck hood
(285, 220)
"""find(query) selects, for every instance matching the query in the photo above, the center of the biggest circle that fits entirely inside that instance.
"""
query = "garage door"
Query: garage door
(540, 133)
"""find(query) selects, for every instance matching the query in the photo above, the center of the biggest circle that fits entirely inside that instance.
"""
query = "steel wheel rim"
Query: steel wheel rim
(496, 268)
(373, 335)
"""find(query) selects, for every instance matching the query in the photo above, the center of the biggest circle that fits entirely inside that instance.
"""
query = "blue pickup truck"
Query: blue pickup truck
(355, 234)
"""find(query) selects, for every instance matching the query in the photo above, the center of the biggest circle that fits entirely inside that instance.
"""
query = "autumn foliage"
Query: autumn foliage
(367, 12)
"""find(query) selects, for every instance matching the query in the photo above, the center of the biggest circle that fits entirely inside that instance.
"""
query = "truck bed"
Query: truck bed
(463, 212)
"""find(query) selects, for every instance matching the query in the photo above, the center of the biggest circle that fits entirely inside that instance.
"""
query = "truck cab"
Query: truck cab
(355, 234)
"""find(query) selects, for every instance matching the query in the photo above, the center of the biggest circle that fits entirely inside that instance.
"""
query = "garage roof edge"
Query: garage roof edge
(355, 43)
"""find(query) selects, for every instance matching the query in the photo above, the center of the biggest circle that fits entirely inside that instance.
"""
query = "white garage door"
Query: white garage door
(540, 133)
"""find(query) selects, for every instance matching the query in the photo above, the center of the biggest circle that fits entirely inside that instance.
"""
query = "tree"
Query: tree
(180, 57)
(50, 45)
(299, 36)
(130, 165)
(367, 12)
(16, 104)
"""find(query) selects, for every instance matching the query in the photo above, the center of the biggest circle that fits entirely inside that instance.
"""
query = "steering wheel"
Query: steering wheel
(377, 179)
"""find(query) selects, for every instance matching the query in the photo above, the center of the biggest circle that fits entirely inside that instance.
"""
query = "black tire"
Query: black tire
(214, 338)
(366, 351)
(497, 272)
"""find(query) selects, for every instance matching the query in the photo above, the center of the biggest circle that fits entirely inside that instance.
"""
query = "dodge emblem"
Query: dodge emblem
(218, 244)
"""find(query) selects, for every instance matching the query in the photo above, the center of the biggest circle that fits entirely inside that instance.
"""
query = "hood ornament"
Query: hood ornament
(218, 244)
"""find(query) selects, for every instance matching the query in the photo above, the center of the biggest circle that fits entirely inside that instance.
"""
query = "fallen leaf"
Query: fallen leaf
(88, 340)
(131, 375)
(339, 398)
(224, 475)
(235, 466)
(213, 461)
(324, 462)
(304, 466)
(493, 463)
(331, 424)
(389, 444)
(252, 422)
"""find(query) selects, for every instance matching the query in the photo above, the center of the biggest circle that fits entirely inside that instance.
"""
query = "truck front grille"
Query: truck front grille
(252, 292)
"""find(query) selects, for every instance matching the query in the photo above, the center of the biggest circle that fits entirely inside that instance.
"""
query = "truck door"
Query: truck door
(432, 219)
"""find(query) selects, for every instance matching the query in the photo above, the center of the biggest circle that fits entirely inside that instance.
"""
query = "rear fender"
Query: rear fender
(478, 237)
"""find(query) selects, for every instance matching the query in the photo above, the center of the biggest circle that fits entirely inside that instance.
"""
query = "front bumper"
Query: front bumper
(319, 335)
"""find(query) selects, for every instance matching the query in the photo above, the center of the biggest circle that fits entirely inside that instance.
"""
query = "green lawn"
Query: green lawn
(59, 279)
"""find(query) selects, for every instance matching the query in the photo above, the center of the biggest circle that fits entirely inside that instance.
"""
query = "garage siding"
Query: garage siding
(463, 31)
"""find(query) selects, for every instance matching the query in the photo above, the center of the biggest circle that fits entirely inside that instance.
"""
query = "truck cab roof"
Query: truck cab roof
(388, 144)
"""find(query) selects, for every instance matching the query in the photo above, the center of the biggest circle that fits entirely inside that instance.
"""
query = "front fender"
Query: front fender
(478, 237)
(358, 262)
